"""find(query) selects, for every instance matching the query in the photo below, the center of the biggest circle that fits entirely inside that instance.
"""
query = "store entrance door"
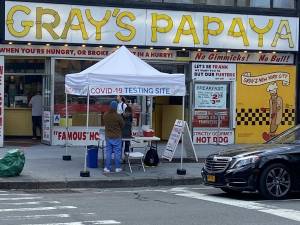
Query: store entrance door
(166, 109)
(24, 78)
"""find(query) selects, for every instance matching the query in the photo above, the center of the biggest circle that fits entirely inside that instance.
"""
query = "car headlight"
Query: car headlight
(244, 161)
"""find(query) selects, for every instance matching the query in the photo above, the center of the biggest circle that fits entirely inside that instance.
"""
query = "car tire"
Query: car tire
(275, 181)
(231, 191)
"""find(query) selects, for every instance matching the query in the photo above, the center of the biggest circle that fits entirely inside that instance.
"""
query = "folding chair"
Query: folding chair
(136, 155)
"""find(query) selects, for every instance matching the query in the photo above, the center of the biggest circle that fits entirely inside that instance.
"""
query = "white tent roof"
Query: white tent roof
(123, 73)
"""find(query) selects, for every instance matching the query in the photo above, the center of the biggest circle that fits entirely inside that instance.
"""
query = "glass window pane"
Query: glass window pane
(30, 66)
(284, 4)
(220, 2)
(209, 104)
(260, 3)
(77, 104)
(254, 3)
(179, 1)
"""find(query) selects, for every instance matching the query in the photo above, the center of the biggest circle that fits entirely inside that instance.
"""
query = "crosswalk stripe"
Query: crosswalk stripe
(97, 222)
(29, 203)
(19, 198)
(34, 216)
(280, 212)
(37, 209)
(5, 194)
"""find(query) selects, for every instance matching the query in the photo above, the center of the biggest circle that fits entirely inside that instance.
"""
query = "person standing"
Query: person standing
(36, 104)
(113, 123)
(127, 129)
(121, 104)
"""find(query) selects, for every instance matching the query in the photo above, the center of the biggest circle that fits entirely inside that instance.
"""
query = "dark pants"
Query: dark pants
(36, 123)
(127, 144)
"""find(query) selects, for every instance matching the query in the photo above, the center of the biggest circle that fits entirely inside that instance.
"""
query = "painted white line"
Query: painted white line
(132, 191)
(34, 217)
(280, 212)
(21, 198)
(29, 203)
(98, 222)
(37, 209)
(15, 194)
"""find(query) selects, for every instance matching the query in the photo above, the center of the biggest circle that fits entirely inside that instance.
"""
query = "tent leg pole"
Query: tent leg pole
(182, 171)
(66, 157)
(85, 172)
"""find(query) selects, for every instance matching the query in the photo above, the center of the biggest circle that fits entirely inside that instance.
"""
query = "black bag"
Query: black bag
(151, 157)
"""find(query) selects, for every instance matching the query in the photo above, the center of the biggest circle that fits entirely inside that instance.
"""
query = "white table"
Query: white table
(149, 140)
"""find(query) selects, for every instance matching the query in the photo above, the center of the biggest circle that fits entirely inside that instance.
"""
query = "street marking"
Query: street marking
(280, 212)
(29, 203)
(34, 217)
(98, 222)
(21, 198)
(15, 194)
(37, 209)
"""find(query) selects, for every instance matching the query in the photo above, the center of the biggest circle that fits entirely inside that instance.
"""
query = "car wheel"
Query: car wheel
(275, 182)
(231, 191)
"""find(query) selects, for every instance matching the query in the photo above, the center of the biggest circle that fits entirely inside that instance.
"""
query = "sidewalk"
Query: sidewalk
(45, 169)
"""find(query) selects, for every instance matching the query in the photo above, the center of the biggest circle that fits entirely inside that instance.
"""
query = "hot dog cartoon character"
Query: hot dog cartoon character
(276, 109)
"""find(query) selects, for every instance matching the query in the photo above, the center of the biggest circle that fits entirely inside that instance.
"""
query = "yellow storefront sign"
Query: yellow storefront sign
(265, 101)
(45, 22)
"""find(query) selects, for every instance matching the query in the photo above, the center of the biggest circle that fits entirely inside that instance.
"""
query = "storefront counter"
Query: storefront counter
(17, 122)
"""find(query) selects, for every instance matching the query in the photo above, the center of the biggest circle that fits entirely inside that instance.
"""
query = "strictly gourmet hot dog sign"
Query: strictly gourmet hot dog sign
(44, 22)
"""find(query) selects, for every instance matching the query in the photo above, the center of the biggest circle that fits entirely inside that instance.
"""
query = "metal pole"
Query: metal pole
(85, 172)
(67, 124)
(219, 125)
(66, 157)
(182, 171)
(181, 157)
(87, 129)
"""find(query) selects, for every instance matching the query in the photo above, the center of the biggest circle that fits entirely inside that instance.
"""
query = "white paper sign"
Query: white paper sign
(46, 125)
(77, 136)
(210, 96)
(210, 136)
(214, 71)
(1, 100)
(174, 139)
(180, 128)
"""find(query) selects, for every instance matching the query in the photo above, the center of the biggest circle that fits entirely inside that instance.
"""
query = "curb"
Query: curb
(111, 183)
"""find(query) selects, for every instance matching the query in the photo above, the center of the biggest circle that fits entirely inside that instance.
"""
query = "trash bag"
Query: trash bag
(12, 163)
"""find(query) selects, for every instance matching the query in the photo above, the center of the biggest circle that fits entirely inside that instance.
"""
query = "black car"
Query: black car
(272, 168)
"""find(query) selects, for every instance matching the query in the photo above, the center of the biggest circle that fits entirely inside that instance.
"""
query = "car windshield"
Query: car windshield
(291, 136)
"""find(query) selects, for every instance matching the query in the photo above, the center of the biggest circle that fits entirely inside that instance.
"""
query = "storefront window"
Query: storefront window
(211, 100)
(254, 3)
(20, 89)
(77, 106)
(24, 65)
(284, 4)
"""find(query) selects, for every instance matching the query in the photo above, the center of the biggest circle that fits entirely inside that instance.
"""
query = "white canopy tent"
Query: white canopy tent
(122, 73)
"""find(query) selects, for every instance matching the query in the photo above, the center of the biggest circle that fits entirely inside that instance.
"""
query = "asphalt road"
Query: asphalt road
(188, 205)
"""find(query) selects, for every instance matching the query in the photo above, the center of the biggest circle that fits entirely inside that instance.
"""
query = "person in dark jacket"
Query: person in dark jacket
(127, 129)
(113, 123)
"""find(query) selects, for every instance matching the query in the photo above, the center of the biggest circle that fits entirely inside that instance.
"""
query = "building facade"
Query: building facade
(240, 59)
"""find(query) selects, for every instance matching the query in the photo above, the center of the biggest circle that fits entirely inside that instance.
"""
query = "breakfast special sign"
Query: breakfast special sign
(41, 22)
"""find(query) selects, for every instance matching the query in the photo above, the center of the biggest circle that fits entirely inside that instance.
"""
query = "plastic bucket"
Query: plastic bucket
(92, 156)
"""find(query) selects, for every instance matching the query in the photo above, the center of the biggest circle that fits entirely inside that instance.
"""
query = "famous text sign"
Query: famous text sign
(44, 22)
